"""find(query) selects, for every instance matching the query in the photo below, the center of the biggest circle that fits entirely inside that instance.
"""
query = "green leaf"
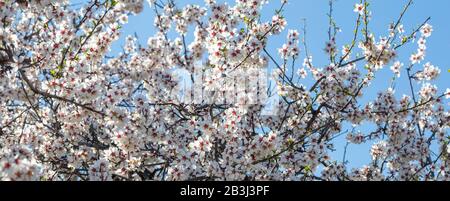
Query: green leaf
(53, 72)
(405, 39)
(224, 50)
(308, 168)
(246, 20)
(113, 3)
(347, 92)
(290, 141)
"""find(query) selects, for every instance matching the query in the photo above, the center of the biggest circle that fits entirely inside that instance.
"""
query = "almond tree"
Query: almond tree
(70, 112)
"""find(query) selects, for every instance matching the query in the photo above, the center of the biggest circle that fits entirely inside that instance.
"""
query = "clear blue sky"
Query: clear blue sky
(314, 11)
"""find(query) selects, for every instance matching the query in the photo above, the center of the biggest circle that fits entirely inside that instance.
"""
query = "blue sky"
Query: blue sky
(314, 11)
